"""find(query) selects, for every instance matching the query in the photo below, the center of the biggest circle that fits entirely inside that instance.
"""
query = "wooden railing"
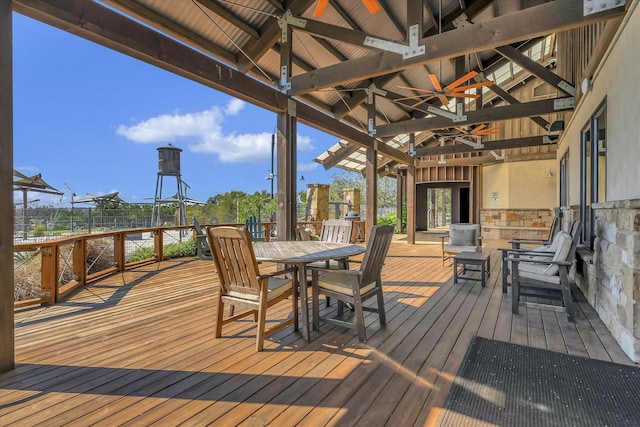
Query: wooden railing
(69, 262)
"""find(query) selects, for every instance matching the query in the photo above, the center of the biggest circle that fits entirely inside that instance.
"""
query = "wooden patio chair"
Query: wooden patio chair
(556, 227)
(254, 226)
(355, 286)
(547, 250)
(202, 246)
(242, 285)
(334, 231)
(302, 234)
(541, 272)
(461, 238)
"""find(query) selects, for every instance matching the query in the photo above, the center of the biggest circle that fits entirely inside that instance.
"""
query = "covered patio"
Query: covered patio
(137, 348)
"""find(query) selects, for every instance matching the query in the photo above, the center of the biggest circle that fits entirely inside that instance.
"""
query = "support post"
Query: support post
(411, 203)
(287, 171)
(7, 336)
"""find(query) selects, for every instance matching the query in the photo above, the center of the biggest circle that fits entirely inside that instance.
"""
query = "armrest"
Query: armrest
(278, 273)
(535, 261)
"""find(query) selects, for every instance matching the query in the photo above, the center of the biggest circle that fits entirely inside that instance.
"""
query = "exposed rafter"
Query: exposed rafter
(535, 21)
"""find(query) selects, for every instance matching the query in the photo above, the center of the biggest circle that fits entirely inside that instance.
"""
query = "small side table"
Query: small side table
(480, 259)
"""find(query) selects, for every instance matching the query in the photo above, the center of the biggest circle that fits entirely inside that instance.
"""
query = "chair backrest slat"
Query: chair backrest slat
(234, 259)
(336, 231)
(254, 226)
(378, 244)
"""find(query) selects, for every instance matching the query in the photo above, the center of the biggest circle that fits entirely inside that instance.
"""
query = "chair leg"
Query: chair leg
(262, 319)
(315, 309)
(328, 300)
(566, 293)
(219, 317)
(515, 293)
(381, 314)
(359, 318)
(340, 309)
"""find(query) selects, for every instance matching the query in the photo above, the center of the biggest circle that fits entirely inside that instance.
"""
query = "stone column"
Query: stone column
(317, 202)
(351, 198)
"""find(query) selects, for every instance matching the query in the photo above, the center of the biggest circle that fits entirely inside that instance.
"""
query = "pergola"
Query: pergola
(349, 72)
(25, 184)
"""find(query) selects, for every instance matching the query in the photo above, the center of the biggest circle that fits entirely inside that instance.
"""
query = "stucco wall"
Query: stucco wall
(617, 81)
(520, 185)
(610, 277)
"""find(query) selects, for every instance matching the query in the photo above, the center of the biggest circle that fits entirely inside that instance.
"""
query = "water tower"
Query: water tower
(169, 166)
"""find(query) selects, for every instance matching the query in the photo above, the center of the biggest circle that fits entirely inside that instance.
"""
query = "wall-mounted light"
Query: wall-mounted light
(550, 174)
(586, 85)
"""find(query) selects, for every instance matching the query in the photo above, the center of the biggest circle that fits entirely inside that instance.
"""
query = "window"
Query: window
(593, 168)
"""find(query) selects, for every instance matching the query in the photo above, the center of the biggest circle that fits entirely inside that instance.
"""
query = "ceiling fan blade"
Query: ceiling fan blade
(462, 79)
(472, 86)
(478, 129)
(416, 89)
(443, 99)
(423, 101)
(320, 7)
(489, 131)
(435, 82)
(372, 6)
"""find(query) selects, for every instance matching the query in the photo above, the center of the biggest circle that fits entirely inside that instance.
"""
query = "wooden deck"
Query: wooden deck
(137, 349)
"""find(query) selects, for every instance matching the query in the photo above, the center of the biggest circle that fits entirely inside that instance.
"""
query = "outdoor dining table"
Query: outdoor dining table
(301, 253)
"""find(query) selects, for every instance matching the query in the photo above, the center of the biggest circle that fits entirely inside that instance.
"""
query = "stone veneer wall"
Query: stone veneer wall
(511, 223)
(610, 277)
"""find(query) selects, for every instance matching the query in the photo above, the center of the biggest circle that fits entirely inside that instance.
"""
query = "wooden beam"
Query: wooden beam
(7, 331)
(312, 117)
(466, 161)
(269, 36)
(529, 141)
(371, 186)
(536, 69)
(558, 15)
(512, 100)
(509, 112)
(340, 155)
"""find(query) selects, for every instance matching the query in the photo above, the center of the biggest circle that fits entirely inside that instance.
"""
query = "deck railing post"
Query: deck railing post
(49, 274)
(80, 261)
(158, 243)
(118, 248)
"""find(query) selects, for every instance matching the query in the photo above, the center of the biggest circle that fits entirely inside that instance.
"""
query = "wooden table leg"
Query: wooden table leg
(455, 270)
(304, 303)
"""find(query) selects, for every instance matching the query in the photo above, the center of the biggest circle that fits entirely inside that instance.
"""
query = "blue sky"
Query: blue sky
(90, 120)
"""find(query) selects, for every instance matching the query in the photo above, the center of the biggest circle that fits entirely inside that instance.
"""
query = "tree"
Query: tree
(387, 188)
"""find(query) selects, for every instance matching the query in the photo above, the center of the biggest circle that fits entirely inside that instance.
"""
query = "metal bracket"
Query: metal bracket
(371, 127)
(563, 103)
(498, 157)
(285, 84)
(462, 21)
(371, 90)
(567, 88)
(406, 51)
(475, 145)
(288, 19)
(449, 115)
(596, 6)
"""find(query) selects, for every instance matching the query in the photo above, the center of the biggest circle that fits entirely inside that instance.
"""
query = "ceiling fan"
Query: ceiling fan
(453, 89)
(372, 6)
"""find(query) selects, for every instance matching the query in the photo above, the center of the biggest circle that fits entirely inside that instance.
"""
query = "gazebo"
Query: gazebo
(35, 184)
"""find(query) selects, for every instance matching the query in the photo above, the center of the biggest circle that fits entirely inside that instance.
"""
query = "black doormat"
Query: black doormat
(512, 385)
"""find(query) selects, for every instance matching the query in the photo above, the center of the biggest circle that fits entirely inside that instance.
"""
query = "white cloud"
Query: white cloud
(234, 107)
(167, 128)
(204, 132)
(305, 143)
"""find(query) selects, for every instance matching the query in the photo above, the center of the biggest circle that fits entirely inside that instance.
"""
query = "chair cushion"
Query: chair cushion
(276, 287)
(458, 249)
(341, 283)
(562, 253)
(462, 237)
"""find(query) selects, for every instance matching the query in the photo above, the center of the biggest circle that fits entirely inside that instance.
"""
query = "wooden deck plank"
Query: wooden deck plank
(137, 348)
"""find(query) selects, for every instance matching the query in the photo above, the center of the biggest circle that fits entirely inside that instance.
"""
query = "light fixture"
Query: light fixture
(585, 85)
(301, 177)
(550, 174)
